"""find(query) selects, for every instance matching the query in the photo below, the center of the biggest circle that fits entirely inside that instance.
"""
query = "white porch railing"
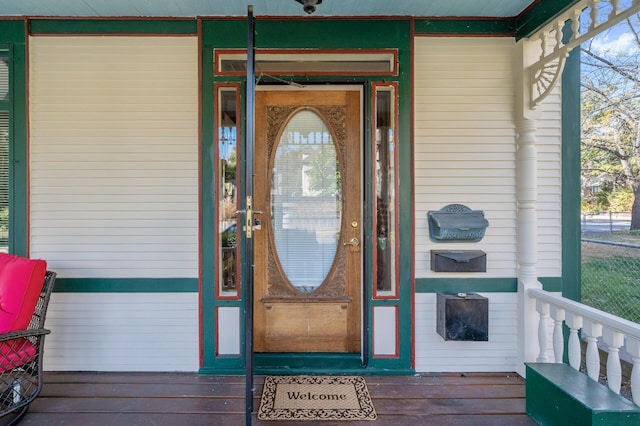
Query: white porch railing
(615, 332)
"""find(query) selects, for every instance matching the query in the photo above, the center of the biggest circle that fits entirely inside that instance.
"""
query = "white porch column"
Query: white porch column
(527, 237)
(526, 208)
(527, 190)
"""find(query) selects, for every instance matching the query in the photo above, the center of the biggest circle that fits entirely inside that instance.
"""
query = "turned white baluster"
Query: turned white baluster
(543, 311)
(615, 8)
(635, 380)
(558, 338)
(574, 322)
(592, 330)
(593, 14)
(543, 43)
(614, 340)
(633, 348)
(558, 31)
(575, 24)
(615, 332)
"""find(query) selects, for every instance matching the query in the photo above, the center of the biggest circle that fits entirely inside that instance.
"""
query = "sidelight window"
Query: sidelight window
(227, 101)
(385, 184)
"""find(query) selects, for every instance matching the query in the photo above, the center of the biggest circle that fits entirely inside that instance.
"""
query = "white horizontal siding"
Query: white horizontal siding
(500, 353)
(549, 146)
(465, 143)
(465, 151)
(114, 156)
(122, 332)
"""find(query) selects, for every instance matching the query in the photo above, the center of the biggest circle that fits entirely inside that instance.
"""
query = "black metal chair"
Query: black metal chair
(21, 360)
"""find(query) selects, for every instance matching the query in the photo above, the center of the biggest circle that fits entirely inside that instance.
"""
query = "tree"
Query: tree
(611, 111)
(324, 174)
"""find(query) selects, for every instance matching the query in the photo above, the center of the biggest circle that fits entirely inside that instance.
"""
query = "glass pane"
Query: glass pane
(306, 204)
(385, 192)
(381, 67)
(348, 62)
(4, 76)
(4, 181)
(227, 190)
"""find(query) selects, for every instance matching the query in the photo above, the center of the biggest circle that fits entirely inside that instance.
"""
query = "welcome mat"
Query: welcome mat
(316, 398)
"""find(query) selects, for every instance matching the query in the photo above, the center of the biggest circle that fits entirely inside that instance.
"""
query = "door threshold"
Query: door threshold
(307, 363)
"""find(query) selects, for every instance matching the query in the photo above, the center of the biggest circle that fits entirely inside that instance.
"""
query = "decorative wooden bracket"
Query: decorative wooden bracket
(600, 15)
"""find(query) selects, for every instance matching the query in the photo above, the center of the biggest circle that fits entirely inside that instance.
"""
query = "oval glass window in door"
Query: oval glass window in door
(306, 204)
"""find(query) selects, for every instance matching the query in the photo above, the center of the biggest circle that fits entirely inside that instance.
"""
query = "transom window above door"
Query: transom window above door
(306, 62)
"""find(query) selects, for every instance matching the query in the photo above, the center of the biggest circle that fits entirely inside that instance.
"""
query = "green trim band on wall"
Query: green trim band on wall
(113, 26)
(126, 285)
(480, 285)
(12, 31)
(318, 34)
(190, 285)
(333, 33)
(456, 285)
(224, 33)
(488, 27)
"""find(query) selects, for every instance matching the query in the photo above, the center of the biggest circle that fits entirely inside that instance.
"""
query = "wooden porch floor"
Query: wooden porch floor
(191, 399)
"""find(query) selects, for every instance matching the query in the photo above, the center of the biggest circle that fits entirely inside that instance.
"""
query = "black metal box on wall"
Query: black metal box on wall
(458, 261)
(462, 316)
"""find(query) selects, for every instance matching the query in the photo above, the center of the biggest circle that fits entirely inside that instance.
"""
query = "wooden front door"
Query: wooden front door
(308, 255)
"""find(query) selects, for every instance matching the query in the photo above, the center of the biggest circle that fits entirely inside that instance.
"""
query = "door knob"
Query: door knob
(354, 242)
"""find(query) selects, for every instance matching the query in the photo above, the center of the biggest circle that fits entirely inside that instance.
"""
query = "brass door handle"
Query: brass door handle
(354, 242)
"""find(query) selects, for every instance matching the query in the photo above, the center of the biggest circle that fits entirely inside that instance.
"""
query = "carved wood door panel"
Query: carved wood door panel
(307, 255)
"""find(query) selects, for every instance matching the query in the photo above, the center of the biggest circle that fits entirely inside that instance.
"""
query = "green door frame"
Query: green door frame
(12, 41)
(330, 35)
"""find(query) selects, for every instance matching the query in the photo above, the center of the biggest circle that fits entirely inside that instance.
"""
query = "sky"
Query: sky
(617, 40)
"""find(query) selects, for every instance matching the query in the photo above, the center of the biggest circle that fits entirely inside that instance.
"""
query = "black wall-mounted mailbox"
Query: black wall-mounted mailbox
(463, 316)
(458, 261)
(457, 222)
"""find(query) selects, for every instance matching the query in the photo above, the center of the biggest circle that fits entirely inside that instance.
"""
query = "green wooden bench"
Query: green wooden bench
(557, 394)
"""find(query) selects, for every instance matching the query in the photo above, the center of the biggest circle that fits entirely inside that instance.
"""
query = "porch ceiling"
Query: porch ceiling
(193, 8)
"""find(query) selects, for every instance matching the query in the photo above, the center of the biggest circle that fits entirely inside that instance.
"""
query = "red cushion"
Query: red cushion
(16, 353)
(21, 282)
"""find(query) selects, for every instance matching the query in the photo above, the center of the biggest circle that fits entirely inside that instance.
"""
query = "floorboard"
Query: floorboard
(161, 399)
